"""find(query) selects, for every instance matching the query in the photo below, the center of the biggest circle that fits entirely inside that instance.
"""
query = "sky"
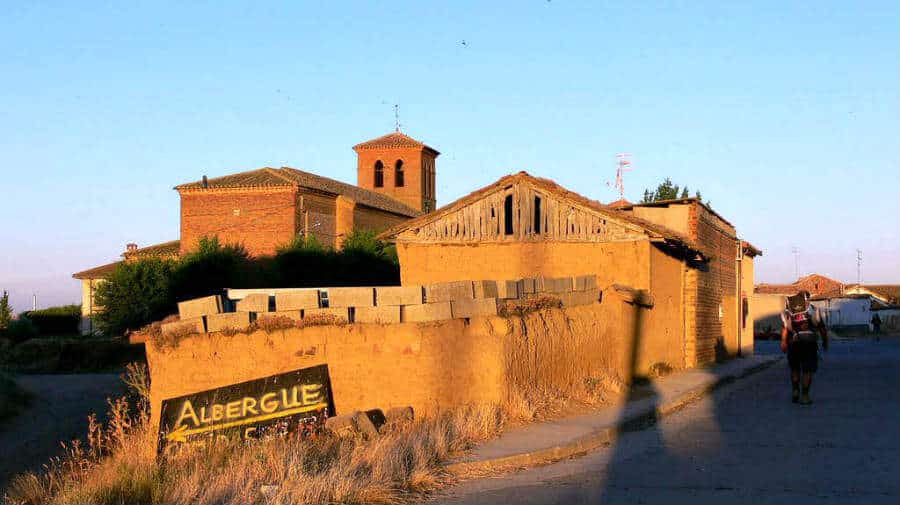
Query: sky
(786, 115)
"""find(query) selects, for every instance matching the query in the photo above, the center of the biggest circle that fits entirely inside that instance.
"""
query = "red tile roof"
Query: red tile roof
(287, 177)
(170, 248)
(101, 272)
(395, 139)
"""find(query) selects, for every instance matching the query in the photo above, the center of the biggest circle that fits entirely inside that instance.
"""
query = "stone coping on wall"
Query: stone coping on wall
(381, 304)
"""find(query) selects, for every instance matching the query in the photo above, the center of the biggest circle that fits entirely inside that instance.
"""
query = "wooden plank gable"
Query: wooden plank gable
(521, 211)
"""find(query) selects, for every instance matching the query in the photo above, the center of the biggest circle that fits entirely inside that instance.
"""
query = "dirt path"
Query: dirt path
(58, 411)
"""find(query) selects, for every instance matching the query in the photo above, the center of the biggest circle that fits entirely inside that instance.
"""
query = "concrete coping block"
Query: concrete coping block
(194, 325)
(426, 312)
(228, 320)
(399, 414)
(341, 425)
(449, 291)
(558, 284)
(507, 289)
(351, 297)
(387, 314)
(526, 286)
(365, 425)
(341, 312)
(474, 308)
(256, 302)
(485, 289)
(399, 295)
(297, 300)
(200, 307)
(585, 282)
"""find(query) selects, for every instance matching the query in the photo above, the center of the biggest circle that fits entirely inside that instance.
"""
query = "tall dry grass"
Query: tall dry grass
(118, 464)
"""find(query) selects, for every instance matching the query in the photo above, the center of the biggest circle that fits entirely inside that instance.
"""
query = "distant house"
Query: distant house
(885, 293)
(816, 284)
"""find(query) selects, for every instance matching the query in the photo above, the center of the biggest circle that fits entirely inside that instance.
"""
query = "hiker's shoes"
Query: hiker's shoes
(805, 399)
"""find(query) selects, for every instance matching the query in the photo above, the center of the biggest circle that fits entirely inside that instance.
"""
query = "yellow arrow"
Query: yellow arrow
(180, 433)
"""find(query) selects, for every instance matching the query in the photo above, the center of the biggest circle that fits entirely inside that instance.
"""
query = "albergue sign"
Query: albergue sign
(295, 402)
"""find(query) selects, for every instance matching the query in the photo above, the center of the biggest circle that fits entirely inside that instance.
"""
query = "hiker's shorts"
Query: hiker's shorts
(803, 356)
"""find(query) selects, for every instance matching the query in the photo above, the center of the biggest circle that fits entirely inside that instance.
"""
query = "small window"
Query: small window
(537, 215)
(379, 174)
(508, 215)
(398, 174)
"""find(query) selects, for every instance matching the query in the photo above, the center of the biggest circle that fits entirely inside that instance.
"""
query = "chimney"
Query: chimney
(204, 182)
(130, 247)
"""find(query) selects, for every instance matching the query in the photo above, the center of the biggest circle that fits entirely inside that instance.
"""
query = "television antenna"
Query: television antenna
(397, 118)
(623, 164)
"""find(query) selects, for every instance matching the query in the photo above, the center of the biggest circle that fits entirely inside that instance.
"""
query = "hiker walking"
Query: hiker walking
(876, 326)
(799, 339)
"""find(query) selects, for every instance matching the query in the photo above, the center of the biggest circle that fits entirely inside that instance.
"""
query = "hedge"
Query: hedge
(62, 320)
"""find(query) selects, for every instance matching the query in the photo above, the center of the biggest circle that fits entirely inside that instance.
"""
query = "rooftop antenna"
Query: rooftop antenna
(796, 252)
(623, 164)
(397, 117)
(859, 267)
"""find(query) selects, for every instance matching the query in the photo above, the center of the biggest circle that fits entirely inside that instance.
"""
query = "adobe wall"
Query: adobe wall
(261, 219)
(429, 366)
(666, 322)
(747, 318)
(767, 311)
(614, 262)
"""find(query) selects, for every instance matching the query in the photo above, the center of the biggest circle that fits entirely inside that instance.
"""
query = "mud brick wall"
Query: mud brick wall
(454, 362)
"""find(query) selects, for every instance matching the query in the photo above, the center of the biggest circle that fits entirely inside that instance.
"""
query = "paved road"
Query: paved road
(58, 412)
(745, 443)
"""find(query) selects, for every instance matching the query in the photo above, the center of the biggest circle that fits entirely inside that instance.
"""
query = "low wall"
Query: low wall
(429, 366)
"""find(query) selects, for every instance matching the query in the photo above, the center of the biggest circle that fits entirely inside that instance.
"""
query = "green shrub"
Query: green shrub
(20, 329)
(135, 294)
(70, 355)
(210, 268)
(62, 320)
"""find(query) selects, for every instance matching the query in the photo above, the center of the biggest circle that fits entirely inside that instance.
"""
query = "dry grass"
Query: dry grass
(524, 307)
(118, 464)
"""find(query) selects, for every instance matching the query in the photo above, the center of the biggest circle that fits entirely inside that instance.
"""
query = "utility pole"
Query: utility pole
(796, 252)
(33, 301)
(859, 267)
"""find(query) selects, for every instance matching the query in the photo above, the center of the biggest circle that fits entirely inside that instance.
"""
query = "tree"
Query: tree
(669, 191)
(135, 294)
(212, 267)
(5, 311)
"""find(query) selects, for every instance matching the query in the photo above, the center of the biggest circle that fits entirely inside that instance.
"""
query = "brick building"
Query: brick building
(268, 207)
(688, 258)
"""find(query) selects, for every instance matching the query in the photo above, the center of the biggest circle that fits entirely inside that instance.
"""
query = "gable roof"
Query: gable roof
(292, 177)
(653, 230)
(169, 248)
(394, 139)
(101, 272)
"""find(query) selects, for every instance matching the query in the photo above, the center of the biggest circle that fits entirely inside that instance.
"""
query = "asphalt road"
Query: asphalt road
(59, 408)
(745, 443)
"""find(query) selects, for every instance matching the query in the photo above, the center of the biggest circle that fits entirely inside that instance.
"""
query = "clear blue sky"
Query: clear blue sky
(785, 114)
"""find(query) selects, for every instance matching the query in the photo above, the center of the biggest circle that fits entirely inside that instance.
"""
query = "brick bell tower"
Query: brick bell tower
(400, 167)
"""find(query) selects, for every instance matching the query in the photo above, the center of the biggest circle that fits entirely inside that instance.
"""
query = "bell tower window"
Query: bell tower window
(398, 174)
(379, 174)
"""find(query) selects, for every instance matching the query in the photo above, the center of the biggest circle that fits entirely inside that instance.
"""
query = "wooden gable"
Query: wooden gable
(521, 211)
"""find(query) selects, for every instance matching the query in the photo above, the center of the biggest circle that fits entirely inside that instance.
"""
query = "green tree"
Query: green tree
(5, 312)
(212, 267)
(667, 190)
(135, 294)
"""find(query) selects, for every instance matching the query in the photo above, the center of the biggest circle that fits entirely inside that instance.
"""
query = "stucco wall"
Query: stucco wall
(767, 311)
(665, 322)
(625, 263)
(427, 365)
